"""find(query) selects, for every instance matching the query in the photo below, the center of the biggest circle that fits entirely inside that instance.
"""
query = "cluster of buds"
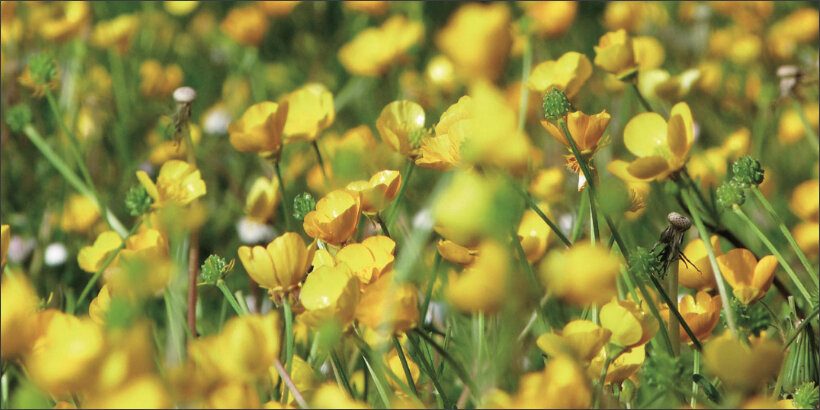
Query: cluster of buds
(746, 173)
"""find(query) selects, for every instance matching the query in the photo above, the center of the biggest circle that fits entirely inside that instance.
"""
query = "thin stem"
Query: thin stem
(652, 308)
(382, 225)
(462, 374)
(609, 358)
(90, 285)
(230, 297)
(811, 136)
(760, 235)
(783, 229)
(193, 273)
(297, 395)
(534, 206)
(643, 101)
(337, 364)
(674, 324)
(284, 200)
(578, 224)
(695, 370)
(587, 174)
(315, 145)
(287, 312)
(120, 98)
(74, 144)
(404, 366)
(431, 372)
(408, 171)
(704, 236)
(428, 294)
(593, 218)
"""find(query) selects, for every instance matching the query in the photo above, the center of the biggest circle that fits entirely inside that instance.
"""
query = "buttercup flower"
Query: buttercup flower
(378, 192)
(329, 293)
(790, 128)
(661, 147)
(246, 25)
(178, 183)
(701, 313)
(586, 130)
(805, 204)
(91, 258)
(630, 326)
(159, 81)
(68, 20)
(699, 276)
(388, 306)
(302, 374)
(260, 128)
(615, 54)
(740, 365)
(331, 395)
(534, 234)
(482, 286)
(553, 18)
(280, 266)
(99, 306)
(373, 50)
(79, 214)
(477, 39)
(562, 384)
(621, 368)
(18, 304)
(443, 151)
(568, 73)
(335, 218)
(262, 199)
(582, 339)
(548, 185)
(581, 275)
(750, 278)
(401, 126)
(116, 33)
(368, 260)
(310, 111)
(455, 253)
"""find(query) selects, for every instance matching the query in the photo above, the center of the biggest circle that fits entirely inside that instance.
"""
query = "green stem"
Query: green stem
(285, 375)
(462, 374)
(288, 313)
(74, 144)
(120, 91)
(593, 218)
(783, 229)
(408, 171)
(337, 364)
(428, 366)
(811, 136)
(404, 366)
(110, 259)
(382, 225)
(760, 235)
(577, 226)
(673, 308)
(674, 323)
(695, 370)
(284, 200)
(587, 174)
(602, 377)
(704, 236)
(641, 98)
(534, 206)
(230, 297)
(428, 294)
(315, 145)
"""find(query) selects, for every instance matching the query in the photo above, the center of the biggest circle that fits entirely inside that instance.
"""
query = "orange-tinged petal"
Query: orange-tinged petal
(764, 273)
(737, 266)
(648, 167)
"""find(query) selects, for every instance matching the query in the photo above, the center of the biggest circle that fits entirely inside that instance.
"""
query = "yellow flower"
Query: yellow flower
(633, 16)
(166, 150)
(130, 276)
(335, 218)
(180, 8)
(129, 355)
(699, 276)
(378, 192)
(310, 111)
(5, 239)
(264, 195)
(562, 384)
(662, 148)
(701, 313)
(394, 364)
(623, 367)
(18, 305)
(159, 81)
(534, 234)
(615, 54)
(581, 275)
(465, 210)
(280, 266)
(658, 83)
(548, 185)
(388, 306)
(233, 395)
(146, 391)
(91, 258)
(443, 151)
(649, 52)
(482, 287)
(68, 20)
(785, 35)
(790, 127)
(586, 130)
(740, 365)
(246, 25)
(749, 278)
(331, 396)
(116, 33)
(630, 326)
(374, 8)
(260, 128)
(329, 293)
(368, 260)
(64, 359)
(179, 183)
(582, 339)
(401, 126)
(98, 308)
(303, 376)
(277, 8)
(477, 38)
(805, 204)
(79, 213)
(455, 253)
(553, 18)
(374, 50)
(568, 73)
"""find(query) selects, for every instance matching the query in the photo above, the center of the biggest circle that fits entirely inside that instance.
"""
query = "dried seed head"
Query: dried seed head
(679, 221)
(184, 95)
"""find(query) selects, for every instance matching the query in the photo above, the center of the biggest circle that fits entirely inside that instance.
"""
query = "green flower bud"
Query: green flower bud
(730, 193)
(18, 117)
(806, 396)
(137, 200)
(747, 171)
(644, 262)
(556, 104)
(43, 68)
(302, 205)
(214, 269)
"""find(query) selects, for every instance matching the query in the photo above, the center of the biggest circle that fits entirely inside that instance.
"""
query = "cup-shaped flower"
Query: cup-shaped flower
(280, 266)
(18, 301)
(582, 339)
(621, 368)
(581, 275)
(179, 183)
(740, 365)
(482, 287)
(552, 18)
(159, 81)
(615, 54)
(91, 258)
(368, 260)
(401, 126)
(477, 38)
(67, 20)
(805, 204)
(116, 33)
(750, 278)
(534, 234)
(329, 293)
(388, 306)
(260, 128)
(661, 147)
(80, 212)
(443, 151)
(561, 385)
(568, 73)
(586, 130)
(335, 218)
(246, 25)
(701, 312)
(330, 395)
(378, 192)
(264, 195)
(310, 111)
(629, 324)
(698, 275)
(374, 50)
(143, 267)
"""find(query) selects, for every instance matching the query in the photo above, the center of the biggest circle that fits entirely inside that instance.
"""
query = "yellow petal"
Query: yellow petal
(648, 167)
(737, 266)
(645, 134)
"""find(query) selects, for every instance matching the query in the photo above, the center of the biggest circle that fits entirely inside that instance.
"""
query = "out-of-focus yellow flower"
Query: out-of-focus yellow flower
(659, 84)
(264, 195)
(64, 359)
(740, 365)
(633, 16)
(374, 50)
(179, 183)
(615, 54)
(91, 258)
(710, 166)
(648, 51)
(806, 205)
(534, 234)
(310, 111)
(368, 260)
(630, 326)
(329, 292)
(98, 308)
(18, 304)
(482, 287)
(159, 81)
(662, 148)
(180, 8)
(698, 275)
(374, 8)
(394, 364)
(280, 266)
(12, 28)
(790, 127)
(441, 72)
(477, 38)
(582, 339)
(129, 355)
(552, 18)
(562, 384)
(246, 25)
(116, 33)
(378, 192)
(260, 128)
(5, 240)
(750, 278)
(388, 306)
(335, 218)
(736, 43)
(147, 392)
(623, 367)
(233, 395)
(582, 274)
(401, 126)
(568, 73)
(67, 21)
(799, 27)
(455, 253)
(586, 130)
(701, 313)
(331, 396)
(166, 150)
(463, 213)
(443, 151)
(130, 276)
(278, 8)
(302, 375)
(79, 213)
(548, 185)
